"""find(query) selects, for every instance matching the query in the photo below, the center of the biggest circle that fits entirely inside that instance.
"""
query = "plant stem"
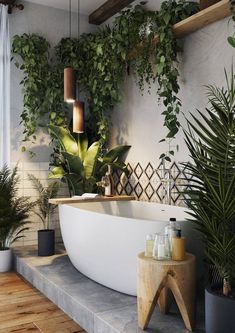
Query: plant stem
(48, 222)
(226, 287)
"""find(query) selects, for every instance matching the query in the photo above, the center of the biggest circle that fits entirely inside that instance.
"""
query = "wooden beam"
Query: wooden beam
(107, 10)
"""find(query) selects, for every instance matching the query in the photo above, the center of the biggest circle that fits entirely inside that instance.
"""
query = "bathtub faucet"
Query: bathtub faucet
(167, 183)
(107, 183)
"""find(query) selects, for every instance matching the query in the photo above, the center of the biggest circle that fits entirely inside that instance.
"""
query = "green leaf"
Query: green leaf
(57, 173)
(74, 164)
(167, 18)
(82, 145)
(65, 139)
(231, 41)
(90, 159)
(115, 153)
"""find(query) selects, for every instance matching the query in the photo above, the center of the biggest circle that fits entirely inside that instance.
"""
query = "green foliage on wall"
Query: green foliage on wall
(101, 60)
(42, 85)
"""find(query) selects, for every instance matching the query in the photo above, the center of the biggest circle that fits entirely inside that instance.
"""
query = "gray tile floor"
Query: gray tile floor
(96, 308)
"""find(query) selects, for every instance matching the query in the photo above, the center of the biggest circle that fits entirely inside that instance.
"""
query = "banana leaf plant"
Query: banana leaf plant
(210, 138)
(80, 165)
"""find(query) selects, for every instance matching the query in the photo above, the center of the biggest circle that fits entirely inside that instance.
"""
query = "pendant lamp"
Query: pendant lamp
(69, 85)
(69, 76)
(78, 117)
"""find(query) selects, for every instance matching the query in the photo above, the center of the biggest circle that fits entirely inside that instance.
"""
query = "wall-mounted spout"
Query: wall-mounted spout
(167, 182)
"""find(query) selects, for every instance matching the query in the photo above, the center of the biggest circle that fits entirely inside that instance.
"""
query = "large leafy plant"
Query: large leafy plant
(81, 166)
(211, 143)
(14, 210)
(44, 210)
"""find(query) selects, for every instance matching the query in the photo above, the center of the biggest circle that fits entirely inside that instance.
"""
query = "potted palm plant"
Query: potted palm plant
(14, 215)
(44, 210)
(210, 139)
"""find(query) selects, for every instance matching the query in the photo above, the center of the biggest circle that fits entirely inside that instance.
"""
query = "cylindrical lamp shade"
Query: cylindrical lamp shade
(69, 85)
(78, 117)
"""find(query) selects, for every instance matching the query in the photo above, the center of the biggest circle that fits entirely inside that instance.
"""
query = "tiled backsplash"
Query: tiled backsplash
(147, 184)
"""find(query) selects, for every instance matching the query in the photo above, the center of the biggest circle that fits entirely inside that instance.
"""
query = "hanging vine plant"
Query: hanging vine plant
(42, 85)
(102, 59)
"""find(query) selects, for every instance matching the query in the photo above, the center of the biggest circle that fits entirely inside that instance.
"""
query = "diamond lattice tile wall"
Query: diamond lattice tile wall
(147, 184)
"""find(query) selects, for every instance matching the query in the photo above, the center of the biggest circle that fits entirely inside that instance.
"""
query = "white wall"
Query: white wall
(137, 120)
(53, 24)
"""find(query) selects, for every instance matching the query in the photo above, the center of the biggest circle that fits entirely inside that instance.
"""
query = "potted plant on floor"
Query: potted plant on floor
(14, 215)
(210, 139)
(44, 210)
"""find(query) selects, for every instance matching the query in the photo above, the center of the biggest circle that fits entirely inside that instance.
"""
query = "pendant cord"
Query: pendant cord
(78, 19)
(70, 19)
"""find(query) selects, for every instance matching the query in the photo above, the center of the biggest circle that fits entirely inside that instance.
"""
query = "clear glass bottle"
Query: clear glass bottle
(161, 249)
(149, 246)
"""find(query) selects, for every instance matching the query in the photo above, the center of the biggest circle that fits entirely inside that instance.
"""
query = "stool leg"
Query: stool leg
(147, 300)
(185, 299)
(165, 300)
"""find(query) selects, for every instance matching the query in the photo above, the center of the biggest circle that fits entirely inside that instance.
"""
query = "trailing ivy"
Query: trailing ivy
(42, 85)
(140, 28)
(100, 64)
(102, 59)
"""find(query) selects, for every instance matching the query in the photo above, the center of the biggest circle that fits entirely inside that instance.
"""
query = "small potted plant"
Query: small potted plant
(211, 142)
(14, 215)
(44, 210)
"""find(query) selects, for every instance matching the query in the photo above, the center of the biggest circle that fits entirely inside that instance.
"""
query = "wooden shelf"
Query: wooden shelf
(214, 13)
(100, 198)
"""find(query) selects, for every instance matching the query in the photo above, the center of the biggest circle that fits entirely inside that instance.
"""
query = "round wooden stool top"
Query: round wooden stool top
(156, 278)
(188, 258)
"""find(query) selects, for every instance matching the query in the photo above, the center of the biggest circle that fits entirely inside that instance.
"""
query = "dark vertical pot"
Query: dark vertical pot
(46, 242)
(220, 311)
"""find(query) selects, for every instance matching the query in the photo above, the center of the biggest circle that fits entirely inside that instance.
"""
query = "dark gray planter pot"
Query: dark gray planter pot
(46, 242)
(220, 312)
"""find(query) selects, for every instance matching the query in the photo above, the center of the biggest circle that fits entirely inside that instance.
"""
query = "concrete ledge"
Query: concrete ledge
(94, 307)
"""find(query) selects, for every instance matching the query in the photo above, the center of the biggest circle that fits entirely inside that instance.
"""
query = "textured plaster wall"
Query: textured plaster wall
(53, 24)
(137, 120)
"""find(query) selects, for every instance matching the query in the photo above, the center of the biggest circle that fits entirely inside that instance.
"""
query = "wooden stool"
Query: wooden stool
(155, 281)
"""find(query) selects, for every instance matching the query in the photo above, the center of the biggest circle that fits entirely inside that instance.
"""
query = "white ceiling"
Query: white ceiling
(86, 6)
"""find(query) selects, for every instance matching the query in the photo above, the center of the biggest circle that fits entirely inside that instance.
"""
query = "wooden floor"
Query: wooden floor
(23, 309)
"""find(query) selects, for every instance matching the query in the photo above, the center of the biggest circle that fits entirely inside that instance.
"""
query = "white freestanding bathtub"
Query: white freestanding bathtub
(103, 239)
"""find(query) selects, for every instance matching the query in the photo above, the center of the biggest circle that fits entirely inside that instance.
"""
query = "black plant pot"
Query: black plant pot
(220, 311)
(46, 242)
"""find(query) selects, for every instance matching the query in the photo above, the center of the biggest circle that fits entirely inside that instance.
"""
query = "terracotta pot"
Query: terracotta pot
(5, 260)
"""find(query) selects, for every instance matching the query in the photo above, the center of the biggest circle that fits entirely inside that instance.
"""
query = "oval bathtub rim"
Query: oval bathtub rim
(129, 219)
